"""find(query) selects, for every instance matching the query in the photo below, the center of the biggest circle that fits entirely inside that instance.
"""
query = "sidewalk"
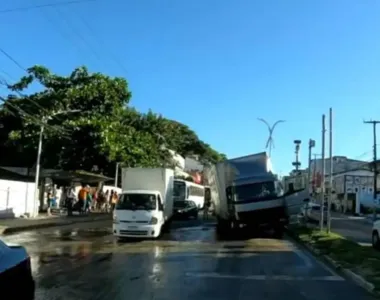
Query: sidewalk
(9, 226)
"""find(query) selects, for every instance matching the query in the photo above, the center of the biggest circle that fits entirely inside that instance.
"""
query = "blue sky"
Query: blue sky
(218, 65)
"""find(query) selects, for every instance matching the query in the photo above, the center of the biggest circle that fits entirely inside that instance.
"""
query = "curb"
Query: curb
(357, 279)
(12, 230)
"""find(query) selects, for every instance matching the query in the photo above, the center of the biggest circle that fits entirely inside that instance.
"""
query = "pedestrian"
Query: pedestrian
(106, 205)
(110, 198)
(70, 199)
(206, 208)
(82, 197)
(88, 201)
(95, 198)
(50, 200)
(114, 200)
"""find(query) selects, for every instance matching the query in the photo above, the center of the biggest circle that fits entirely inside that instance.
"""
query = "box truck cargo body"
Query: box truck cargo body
(145, 205)
(246, 192)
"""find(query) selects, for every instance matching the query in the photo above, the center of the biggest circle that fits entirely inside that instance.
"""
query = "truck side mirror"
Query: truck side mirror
(160, 207)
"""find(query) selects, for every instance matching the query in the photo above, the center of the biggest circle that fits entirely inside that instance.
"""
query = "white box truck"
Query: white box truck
(145, 205)
(246, 193)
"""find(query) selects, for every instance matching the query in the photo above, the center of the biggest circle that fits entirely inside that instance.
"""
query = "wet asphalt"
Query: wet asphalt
(188, 262)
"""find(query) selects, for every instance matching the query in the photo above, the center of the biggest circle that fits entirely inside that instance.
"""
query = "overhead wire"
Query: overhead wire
(23, 114)
(74, 30)
(4, 82)
(62, 32)
(55, 4)
(79, 35)
(103, 44)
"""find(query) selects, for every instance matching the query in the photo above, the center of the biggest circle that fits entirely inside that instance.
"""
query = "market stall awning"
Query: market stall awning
(76, 176)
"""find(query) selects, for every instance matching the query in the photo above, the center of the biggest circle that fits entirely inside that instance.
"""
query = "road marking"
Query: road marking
(265, 277)
(303, 257)
(310, 260)
(220, 253)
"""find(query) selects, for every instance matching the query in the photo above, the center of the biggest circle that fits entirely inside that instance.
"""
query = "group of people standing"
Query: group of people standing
(87, 199)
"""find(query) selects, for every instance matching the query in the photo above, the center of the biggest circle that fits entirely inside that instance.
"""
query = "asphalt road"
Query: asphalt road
(189, 262)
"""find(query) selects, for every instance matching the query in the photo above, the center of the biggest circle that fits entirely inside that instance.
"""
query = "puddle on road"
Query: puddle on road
(65, 257)
(79, 234)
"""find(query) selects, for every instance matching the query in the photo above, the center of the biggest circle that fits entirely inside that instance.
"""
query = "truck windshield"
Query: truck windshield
(137, 202)
(260, 190)
(179, 189)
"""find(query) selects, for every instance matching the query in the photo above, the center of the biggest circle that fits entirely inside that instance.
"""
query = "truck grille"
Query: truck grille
(134, 232)
(137, 222)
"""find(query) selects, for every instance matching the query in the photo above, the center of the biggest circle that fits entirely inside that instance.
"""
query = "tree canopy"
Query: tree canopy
(88, 125)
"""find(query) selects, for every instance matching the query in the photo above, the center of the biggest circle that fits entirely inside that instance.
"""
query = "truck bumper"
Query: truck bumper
(264, 217)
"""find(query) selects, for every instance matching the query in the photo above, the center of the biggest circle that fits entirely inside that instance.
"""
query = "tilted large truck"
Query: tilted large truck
(246, 193)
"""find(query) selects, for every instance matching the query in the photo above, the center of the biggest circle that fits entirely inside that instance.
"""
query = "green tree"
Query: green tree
(103, 130)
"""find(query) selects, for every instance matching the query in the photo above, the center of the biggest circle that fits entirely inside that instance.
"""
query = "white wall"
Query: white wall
(16, 199)
(191, 164)
(177, 159)
(109, 188)
(355, 179)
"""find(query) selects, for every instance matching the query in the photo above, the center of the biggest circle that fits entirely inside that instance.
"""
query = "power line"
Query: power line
(24, 115)
(4, 82)
(12, 59)
(63, 33)
(26, 8)
(78, 34)
(103, 44)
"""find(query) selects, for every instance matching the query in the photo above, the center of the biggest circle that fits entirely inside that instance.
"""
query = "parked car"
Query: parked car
(185, 209)
(376, 234)
(312, 212)
(16, 280)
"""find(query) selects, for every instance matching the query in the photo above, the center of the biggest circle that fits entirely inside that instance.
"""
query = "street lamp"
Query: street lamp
(270, 142)
(44, 121)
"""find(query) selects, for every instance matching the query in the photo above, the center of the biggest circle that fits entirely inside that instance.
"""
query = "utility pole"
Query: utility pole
(44, 122)
(323, 172)
(270, 142)
(331, 174)
(311, 146)
(117, 174)
(374, 123)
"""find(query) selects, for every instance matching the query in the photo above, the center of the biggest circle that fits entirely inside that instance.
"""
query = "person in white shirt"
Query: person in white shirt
(70, 199)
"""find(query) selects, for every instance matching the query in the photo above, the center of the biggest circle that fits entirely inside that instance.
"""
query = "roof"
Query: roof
(341, 165)
(78, 175)
(9, 175)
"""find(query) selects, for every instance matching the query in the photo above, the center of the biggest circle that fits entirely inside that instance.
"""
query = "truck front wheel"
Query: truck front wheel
(278, 231)
(222, 227)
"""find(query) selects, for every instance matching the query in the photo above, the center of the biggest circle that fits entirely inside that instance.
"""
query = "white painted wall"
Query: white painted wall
(109, 188)
(17, 199)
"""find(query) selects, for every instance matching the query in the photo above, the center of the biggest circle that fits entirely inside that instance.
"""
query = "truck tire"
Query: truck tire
(221, 227)
(166, 226)
(162, 228)
(278, 231)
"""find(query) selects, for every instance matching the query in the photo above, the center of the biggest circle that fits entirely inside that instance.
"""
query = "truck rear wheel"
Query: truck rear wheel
(221, 227)
(278, 231)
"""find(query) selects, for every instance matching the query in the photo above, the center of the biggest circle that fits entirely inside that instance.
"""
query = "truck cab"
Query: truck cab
(139, 213)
